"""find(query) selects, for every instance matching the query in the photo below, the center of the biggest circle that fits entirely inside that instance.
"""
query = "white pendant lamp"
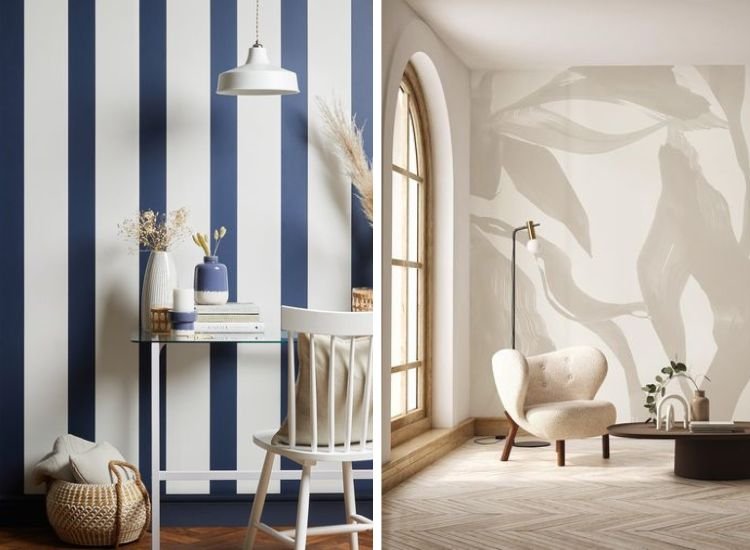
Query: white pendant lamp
(257, 76)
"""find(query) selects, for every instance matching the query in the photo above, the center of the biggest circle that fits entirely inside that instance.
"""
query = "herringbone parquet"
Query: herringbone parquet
(471, 500)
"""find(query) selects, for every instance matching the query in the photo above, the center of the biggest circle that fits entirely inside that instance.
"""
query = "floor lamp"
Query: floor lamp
(533, 246)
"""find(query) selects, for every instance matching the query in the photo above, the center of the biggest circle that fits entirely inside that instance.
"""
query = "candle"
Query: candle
(183, 299)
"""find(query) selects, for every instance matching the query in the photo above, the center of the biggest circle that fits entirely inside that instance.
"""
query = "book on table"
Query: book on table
(710, 426)
(232, 317)
(231, 328)
(241, 308)
(227, 318)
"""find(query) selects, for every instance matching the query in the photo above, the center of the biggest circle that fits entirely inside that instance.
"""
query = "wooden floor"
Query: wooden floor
(173, 537)
(471, 500)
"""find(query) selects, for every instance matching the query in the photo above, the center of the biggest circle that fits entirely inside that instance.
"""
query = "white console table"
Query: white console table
(156, 343)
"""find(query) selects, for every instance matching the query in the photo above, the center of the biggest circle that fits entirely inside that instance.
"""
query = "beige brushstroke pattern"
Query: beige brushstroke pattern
(490, 300)
(692, 226)
(728, 86)
(538, 176)
(549, 129)
(690, 235)
(572, 302)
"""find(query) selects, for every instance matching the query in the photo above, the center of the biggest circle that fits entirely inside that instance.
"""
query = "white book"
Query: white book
(229, 308)
(711, 425)
(230, 327)
(227, 318)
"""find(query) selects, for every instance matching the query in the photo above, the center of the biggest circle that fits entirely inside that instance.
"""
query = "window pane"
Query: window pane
(398, 387)
(413, 167)
(400, 218)
(413, 220)
(399, 129)
(413, 388)
(412, 316)
(398, 315)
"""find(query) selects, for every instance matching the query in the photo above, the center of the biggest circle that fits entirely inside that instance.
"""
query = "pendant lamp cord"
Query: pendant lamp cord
(257, 23)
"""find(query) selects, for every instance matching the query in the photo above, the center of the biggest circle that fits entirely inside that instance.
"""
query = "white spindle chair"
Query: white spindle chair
(339, 326)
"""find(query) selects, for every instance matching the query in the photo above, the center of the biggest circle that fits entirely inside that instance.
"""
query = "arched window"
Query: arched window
(410, 256)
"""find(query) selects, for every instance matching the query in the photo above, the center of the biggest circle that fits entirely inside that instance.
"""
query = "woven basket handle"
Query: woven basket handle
(115, 467)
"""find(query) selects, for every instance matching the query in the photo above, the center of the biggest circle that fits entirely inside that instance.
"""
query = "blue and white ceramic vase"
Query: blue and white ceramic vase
(211, 282)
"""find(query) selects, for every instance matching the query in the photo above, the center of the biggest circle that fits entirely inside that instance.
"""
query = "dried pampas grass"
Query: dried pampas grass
(151, 230)
(347, 137)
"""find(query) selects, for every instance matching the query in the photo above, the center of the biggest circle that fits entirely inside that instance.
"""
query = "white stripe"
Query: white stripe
(329, 192)
(188, 176)
(259, 238)
(116, 198)
(45, 228)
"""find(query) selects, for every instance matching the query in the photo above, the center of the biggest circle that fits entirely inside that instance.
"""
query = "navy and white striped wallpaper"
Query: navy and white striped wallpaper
(109, 107)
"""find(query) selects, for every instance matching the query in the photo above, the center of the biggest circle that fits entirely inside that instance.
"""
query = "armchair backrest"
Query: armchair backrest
(565, 375)
(511, 373)
(347, 409)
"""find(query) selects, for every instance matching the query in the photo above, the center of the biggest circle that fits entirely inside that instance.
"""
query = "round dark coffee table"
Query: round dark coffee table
(714, 456)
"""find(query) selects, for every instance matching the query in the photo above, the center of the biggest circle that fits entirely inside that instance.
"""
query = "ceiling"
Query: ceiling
(490, 34)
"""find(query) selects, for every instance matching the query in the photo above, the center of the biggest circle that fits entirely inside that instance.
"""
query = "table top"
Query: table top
(146, 337)
(642, 430)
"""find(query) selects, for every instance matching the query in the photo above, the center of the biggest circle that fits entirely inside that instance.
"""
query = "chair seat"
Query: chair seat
(323, 454)
(570, 419)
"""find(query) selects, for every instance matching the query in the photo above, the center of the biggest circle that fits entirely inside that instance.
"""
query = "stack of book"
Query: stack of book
(713, 426)
(232, 317)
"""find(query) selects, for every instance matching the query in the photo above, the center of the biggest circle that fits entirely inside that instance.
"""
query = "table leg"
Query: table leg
(155, 451)
(712, 459)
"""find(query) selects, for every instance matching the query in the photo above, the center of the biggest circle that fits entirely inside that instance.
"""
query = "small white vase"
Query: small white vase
(159, 282)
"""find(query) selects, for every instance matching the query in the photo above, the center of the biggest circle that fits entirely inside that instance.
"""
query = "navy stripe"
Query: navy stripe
(293, 181)
(152, 185)
(11, 224)
(361, 231)
(223, 373)
(81, 219)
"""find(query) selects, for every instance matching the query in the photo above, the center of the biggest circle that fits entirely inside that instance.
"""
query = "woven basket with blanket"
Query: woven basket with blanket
(94, 497)
(100, 515)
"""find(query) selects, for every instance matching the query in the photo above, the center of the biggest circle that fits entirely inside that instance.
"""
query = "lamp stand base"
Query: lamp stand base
(531, 443)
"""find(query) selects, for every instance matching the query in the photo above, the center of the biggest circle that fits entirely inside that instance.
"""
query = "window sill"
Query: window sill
(419, 452)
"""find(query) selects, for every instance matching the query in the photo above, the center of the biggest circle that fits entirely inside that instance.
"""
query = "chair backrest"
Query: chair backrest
(350, 328)
(565, 375)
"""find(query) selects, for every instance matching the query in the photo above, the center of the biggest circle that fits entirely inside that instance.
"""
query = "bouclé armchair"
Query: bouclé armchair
(551, 396)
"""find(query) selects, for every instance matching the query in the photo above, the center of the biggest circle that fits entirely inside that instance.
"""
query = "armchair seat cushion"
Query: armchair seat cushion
(570, 419)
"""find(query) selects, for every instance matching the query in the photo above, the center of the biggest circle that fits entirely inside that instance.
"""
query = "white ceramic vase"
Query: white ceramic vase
(159, 282)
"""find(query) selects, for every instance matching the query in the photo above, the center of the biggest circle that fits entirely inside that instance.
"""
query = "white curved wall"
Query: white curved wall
(447, 90)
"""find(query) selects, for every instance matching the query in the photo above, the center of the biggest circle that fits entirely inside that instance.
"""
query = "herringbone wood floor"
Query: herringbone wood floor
(470, 499)
(204, 538)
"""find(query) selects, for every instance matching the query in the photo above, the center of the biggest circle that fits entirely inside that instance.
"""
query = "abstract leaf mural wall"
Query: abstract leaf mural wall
(640, 178)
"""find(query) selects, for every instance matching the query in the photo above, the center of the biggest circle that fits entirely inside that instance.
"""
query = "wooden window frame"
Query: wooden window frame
(419, 421)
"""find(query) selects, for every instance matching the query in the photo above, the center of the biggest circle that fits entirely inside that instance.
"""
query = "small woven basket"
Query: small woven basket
(361, 299)
(160, 320)
(100, 515)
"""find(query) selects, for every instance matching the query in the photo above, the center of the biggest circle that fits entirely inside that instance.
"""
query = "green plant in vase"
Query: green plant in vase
(653, 391)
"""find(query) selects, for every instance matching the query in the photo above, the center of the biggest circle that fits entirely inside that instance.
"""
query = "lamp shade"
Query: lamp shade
(257, 77)
(532, 245)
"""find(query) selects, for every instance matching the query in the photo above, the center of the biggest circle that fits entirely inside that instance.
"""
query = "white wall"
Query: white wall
(639, 177)
(406, 37)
